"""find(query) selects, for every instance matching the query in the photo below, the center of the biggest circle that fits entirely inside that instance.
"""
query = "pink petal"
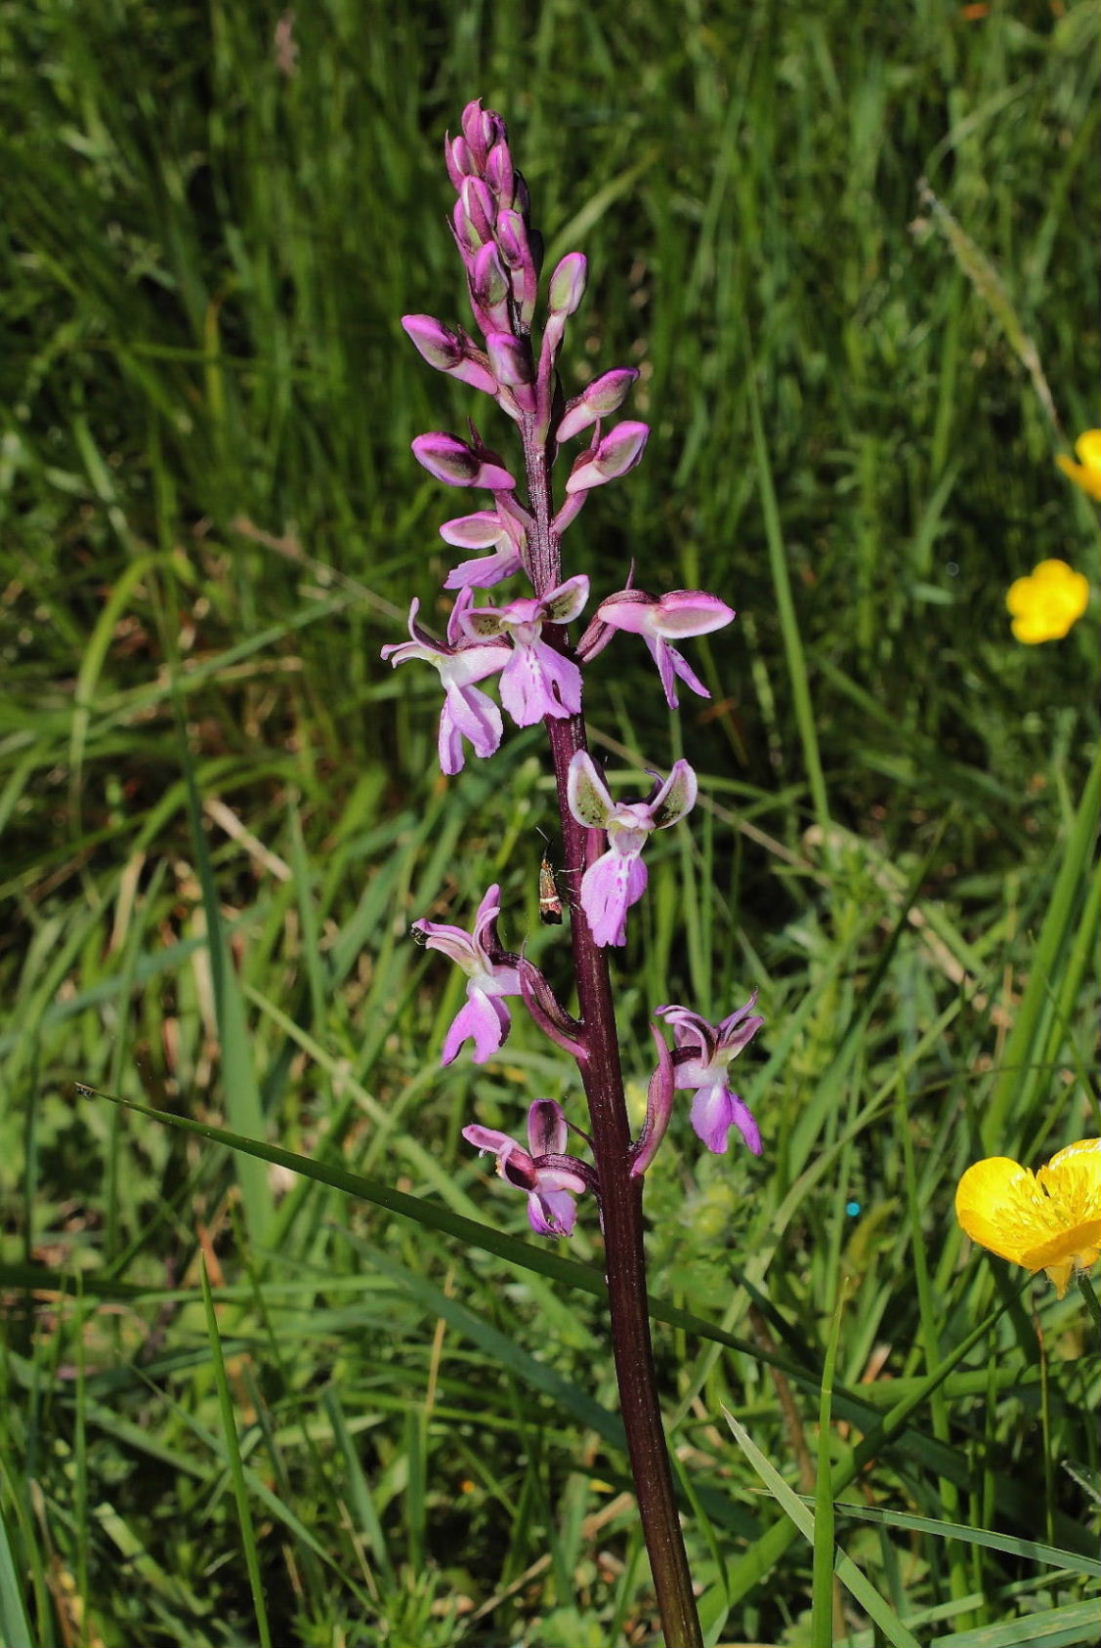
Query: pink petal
(537, 681)
(484, 1020)
(484, 570)
(552, 1212)
(715, 1110)
(477, 717)
(608, 888)
(488, 1138)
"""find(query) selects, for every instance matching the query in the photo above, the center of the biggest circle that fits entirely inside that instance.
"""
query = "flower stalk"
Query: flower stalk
(526, 643)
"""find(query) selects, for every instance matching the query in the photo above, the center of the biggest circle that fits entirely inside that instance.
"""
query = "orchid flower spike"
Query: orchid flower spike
(703, 1053)
(552, 1180)
(537, 680)
(661, 619)
(467, 711)
(484, 1019)
(618, 878)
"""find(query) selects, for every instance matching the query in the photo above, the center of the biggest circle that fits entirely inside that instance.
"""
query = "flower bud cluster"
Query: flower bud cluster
(502, 255)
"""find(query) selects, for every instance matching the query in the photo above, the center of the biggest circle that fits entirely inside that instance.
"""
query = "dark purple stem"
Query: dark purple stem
(620, 1194)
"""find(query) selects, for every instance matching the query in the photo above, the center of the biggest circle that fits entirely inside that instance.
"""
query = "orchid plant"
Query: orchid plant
(525, 641)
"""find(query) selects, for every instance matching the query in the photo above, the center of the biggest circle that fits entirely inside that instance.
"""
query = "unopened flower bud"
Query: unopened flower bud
(440, 346)
(448, 351)
(454, 462)
(567, 284)
(482, 129)
(459, 160)
(499, 174)
(519, 259)
(615, 455)
(480, 208)
(510, 358)
(605, 394)
(466, 237)
(490, 290)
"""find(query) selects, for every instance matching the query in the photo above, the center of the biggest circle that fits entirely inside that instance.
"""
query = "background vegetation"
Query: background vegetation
(380, 1424)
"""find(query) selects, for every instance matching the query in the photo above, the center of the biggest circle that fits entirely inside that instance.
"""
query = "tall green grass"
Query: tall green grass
(327, 1390)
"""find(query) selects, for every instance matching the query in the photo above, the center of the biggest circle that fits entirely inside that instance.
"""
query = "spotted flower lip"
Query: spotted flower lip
(552, 1179)
(1086, 473)
(1049, 1220)
(537, 679)
(704, 1053)
(484, 1019)
(1047, 604)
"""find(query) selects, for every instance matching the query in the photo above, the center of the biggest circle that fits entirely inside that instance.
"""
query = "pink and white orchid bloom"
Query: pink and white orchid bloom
(618, 878)
(467, 712)
(704, 1052)
(662, 619)
(551, 1178)
(484, 1019)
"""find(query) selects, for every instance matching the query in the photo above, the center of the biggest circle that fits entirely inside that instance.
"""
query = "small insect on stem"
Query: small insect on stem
(550, 904)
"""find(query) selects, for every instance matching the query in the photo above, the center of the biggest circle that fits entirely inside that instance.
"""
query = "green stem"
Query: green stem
(1085, 1288)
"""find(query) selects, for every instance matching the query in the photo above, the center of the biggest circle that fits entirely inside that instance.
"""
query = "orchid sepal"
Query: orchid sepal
(548, 1012)
(659, 1107)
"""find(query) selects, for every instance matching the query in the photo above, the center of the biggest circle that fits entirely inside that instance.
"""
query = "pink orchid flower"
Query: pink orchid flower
(552, 1180)
(618, 878)
(484, 1019)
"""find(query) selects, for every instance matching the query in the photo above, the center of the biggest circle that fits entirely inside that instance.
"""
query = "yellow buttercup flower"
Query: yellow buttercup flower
(1050, 1220)
(1086, 473)
(1047, 603)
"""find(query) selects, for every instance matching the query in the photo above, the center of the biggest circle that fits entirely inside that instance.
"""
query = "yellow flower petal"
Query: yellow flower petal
(1076, 1168)
(992, 1205)
(1087, 472)
(1049, 1220)
(1088, 448)
(1047, 603)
